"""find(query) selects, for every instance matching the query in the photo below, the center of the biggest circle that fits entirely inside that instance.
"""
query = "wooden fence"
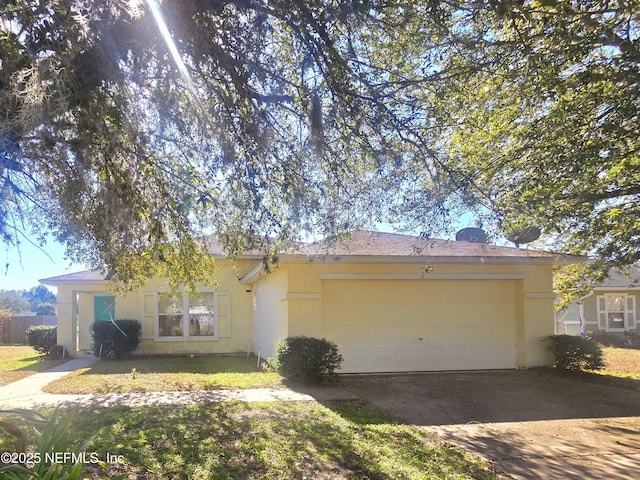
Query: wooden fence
(12, 332)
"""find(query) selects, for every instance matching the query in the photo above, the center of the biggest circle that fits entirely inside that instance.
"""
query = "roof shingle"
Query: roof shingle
(369, 245)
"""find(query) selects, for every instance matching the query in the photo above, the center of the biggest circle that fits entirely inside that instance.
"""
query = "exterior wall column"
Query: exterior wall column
(535, 319)
(85, 317)
(539, 316)
(66, 309)
(304, 301)
(521, 344)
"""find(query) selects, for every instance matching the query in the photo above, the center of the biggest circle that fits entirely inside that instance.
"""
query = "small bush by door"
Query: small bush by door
(113, 340)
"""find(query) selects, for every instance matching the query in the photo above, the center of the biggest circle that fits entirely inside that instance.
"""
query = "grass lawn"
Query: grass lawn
(621, 362)
(154, 374)
(19, 361)
(337, 440)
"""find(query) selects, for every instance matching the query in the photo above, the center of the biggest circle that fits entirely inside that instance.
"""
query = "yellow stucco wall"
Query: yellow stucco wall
(292, 300)
(528, 286)
(81, 298)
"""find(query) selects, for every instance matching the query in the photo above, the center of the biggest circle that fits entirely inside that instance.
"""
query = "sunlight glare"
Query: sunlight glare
(166, 35)
(177, 58)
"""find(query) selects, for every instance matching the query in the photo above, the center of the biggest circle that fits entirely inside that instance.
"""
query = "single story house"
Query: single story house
(610, 308)
(391, 302)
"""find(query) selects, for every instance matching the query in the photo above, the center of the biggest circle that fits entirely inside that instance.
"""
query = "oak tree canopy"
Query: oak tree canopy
(282, 119)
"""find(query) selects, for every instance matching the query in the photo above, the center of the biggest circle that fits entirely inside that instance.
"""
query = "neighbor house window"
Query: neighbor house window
(203, 315)
(616, 312)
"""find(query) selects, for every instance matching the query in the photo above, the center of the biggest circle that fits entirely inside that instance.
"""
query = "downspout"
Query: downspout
(583, 321)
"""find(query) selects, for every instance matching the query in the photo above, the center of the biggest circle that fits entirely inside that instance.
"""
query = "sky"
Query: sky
(31, 263)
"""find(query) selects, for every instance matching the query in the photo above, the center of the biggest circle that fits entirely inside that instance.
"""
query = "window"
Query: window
(616, 312)
(170, 315)
(200, 316)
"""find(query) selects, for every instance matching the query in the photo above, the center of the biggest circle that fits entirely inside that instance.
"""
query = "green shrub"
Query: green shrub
(114, 341)
(608, 340)
(575, 353)
(631, 339)
(42, 337)
(308, 359)
(52, 437)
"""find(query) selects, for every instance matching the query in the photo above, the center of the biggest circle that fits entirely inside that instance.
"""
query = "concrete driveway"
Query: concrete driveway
(530, 424)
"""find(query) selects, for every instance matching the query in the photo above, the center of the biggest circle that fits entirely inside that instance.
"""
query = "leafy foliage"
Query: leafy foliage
(13, 302)
(281, 119)
(42, 337)
(545, 109)
(115, 340)
(573, 352)
(45, 309)
(40, 299)
(52, 436)
(306, 358)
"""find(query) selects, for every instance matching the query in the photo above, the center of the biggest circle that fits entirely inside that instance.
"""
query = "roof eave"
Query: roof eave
(52, 282)
(253, 275)
(559, 259)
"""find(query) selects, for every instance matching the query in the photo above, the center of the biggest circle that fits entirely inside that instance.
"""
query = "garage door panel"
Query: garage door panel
(386, 326)
(363, 360)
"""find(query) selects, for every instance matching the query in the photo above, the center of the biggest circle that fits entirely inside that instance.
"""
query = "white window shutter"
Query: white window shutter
(602, 312)
(630, 313)
(223, 311)
(149, 314)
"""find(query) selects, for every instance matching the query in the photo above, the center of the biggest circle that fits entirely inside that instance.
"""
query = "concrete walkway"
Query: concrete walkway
(27, 393)
(22, 392)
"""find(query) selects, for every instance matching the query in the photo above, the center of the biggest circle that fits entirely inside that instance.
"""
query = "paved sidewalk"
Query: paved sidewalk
(27, 393)
(24, 391)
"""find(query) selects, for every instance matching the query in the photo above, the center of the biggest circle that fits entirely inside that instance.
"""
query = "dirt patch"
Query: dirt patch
(445, 398)
(530, 424)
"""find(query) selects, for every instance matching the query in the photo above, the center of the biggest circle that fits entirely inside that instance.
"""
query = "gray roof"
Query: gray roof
(84, 276)
(383, 244)
(364, 246)
(622, 279)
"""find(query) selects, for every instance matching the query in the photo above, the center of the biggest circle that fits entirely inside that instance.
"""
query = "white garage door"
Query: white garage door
(421, 325)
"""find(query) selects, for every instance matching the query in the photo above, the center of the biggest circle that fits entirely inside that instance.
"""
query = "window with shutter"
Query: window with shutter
(602, 312)
(204, 315)
(149, 306)
(616, 312)
(223, 310)
(631, 312)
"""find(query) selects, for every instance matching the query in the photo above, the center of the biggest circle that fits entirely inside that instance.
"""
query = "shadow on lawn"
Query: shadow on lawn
(281, 440)
(176, 364)
(38, 363)
(33, 362)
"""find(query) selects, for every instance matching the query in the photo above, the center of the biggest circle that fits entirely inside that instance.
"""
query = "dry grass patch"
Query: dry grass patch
(19, 361)
(157, 374)
(621, 362)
